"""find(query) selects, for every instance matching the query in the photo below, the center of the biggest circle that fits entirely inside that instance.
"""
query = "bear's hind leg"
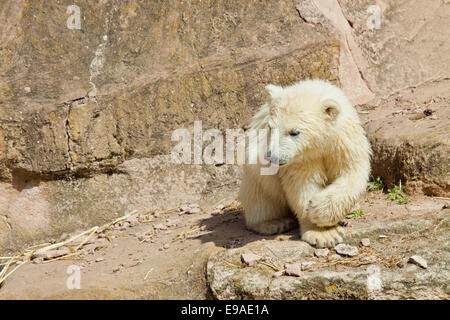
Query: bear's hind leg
(274, 226)
(266, 216)
(265, 208)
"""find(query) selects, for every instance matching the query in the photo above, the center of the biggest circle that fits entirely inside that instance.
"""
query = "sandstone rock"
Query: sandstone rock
(416, 151)
(91, 141)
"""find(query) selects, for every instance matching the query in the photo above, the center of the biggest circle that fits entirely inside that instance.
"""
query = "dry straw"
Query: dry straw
(26, 255)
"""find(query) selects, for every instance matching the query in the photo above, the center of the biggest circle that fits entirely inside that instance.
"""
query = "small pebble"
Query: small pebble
(382, 236)
(195, 211)
(368, 259)
(418, 260)
(250, 259)
(99, 259)
(172, 222)
(321, 252)
(166, 246)
(417, 116)
(50, 254)
(184, 208)
(133, 220)
(38, 260)
(293, 269)
(277, 274)
(118, 268)
(365, 242)
(308, 265)
(160, 226)
(346, 250)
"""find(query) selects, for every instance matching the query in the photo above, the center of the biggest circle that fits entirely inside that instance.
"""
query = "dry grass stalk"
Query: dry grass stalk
(275, 267)
(146, 275)
(187, 234)
(66, 257)
(26, 254)
(107, 225)
(147, 237)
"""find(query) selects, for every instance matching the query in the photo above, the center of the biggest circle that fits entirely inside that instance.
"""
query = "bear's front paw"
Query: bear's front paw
(323, 237)
(320, 211)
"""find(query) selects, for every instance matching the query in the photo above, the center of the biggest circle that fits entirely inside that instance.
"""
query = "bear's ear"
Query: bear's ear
(274, 90)
(331, 109)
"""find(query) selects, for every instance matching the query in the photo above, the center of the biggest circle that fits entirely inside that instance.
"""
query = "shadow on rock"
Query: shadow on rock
(228, 230)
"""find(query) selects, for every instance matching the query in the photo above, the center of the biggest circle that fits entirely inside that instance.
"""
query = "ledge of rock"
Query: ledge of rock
(409, 134)
(381, 271)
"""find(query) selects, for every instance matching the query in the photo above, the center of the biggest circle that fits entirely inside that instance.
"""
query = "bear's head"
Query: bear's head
(305, 116)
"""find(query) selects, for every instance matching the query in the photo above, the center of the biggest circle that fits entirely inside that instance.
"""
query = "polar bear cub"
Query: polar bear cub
(324, 163)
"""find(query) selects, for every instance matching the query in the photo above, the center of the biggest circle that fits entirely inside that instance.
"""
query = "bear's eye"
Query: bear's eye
(294, 132)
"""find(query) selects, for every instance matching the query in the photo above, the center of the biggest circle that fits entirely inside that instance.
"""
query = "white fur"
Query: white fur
(326, 166)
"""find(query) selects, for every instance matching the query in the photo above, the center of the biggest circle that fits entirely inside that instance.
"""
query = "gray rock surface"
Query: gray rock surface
(377, 272)
(346, 250)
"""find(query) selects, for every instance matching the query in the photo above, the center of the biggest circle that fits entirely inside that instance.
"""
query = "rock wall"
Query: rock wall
(86, 115)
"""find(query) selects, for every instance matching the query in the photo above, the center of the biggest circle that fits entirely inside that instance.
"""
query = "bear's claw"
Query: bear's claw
(323, 237)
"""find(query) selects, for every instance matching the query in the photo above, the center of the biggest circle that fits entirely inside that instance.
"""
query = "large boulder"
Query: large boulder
(383, 270)
(86, 115)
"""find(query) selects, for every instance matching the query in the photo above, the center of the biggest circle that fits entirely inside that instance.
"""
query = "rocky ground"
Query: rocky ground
(198, 252)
